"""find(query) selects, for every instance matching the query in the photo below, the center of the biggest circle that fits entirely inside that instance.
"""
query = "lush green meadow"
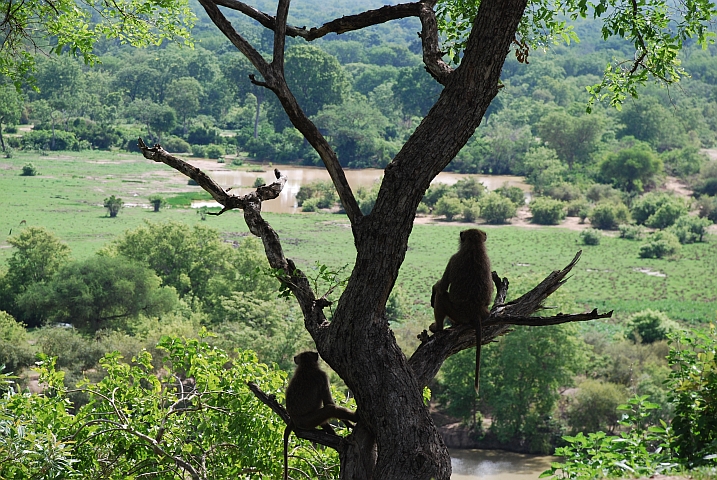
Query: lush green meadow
(67, 198)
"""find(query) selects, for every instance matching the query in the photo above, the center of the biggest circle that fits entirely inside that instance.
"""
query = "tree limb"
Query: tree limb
(251, 205)
(435, 349)
(315, 435)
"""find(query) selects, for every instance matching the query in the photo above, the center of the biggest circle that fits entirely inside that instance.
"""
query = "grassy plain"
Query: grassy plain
(67, 198)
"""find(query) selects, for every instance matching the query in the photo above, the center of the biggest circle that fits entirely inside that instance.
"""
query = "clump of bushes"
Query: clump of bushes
(662, 244)
(547, 211)
(658, 210)
(607, 215)
(690, 229)
(324, 193)
(113, 205)
(649, 326)
(631, 232)
(495, 208)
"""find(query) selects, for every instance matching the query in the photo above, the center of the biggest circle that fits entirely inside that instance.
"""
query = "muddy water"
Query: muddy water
(242, 181)
(497, 465)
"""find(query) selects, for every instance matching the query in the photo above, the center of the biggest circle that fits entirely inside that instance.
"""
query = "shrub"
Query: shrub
(310, 205)
(467, 188)
(594, 407)
(670, 208)
(29, 170)
(176, 144)
(547, 211)
(422, 209)
(565, 192)
(649, 326)
(707, 207)
(324, 192)
(15, 351)
(236, 161)
(690, 229)
(630, 232)
(9, 152)
(434, 193)
(573, 209)
(449, 207)
(590, 236)
(200, 135)
(157, 202)
(707, 186)
(495, 208)
(199, 151)
(599, 192)
(43, 140)
(471, 211)
(214, 151)
(608, 215)
(113, 205)
(258, 182)
(661, 244)
(514, 194)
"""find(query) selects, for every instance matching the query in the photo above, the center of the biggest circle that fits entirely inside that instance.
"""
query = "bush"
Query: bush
(113, 205)
(658, 210)
(707, 186)
(565, 192)
(199, 151)
(599, 192)
(690, 229)
(258, 182)
(200, 135)
(29, 170)
(514, 194)
(310, 205)
(214, 151)
(43, 140)
(434, 193)
(547, 211)
(157, 202)
(324, 193)
(594, 407)
(630, 232)
(422, 209)
(471, 211)
(661, 244)
(495, 208)
(590, 236)
(176, 144)
(449, 207)
(649, 326)
(608, 215)
(707, 207)
(15, 351)
(574, 208)
(467, 188)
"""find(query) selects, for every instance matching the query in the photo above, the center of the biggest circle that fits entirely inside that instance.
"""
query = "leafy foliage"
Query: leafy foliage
(495, 208)
(547, 211)
(113, 205)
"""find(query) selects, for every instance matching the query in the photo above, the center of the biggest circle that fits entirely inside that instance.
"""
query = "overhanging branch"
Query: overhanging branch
(314, 435)
(250, 203)
(435, 349)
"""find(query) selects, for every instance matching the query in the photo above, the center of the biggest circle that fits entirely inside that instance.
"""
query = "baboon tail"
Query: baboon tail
(287, 434)
(479, 341)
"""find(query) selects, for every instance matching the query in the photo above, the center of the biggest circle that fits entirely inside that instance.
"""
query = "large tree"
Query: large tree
(396, 437)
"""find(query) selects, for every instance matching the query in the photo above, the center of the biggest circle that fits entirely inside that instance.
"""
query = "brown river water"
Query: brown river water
(242, 181)
(497, 465)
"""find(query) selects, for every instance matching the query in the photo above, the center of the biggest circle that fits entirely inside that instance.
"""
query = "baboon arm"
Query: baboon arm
(326, 394)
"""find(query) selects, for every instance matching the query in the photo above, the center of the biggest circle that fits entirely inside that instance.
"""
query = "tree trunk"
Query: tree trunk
(2, 140)
(259, 100)
(395, 437)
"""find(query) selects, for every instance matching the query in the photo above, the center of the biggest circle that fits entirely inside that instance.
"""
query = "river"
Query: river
(241, 182)
(497, 465)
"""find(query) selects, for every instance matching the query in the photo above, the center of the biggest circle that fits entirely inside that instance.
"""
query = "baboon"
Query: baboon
(465, 291)
(309, 401)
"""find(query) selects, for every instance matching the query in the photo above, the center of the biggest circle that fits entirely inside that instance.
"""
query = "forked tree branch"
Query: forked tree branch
(275, 81)
(435, 349)
(250, 203)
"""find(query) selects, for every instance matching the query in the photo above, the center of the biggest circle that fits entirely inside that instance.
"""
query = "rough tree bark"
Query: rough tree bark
(396, 437)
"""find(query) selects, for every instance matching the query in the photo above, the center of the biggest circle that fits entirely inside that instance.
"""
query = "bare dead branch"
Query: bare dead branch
(237, 40)
(435, 349)
(282, 12)
(251, 205)
(314, 435)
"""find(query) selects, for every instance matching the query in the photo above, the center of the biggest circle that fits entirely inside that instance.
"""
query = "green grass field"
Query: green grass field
(67, 198)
